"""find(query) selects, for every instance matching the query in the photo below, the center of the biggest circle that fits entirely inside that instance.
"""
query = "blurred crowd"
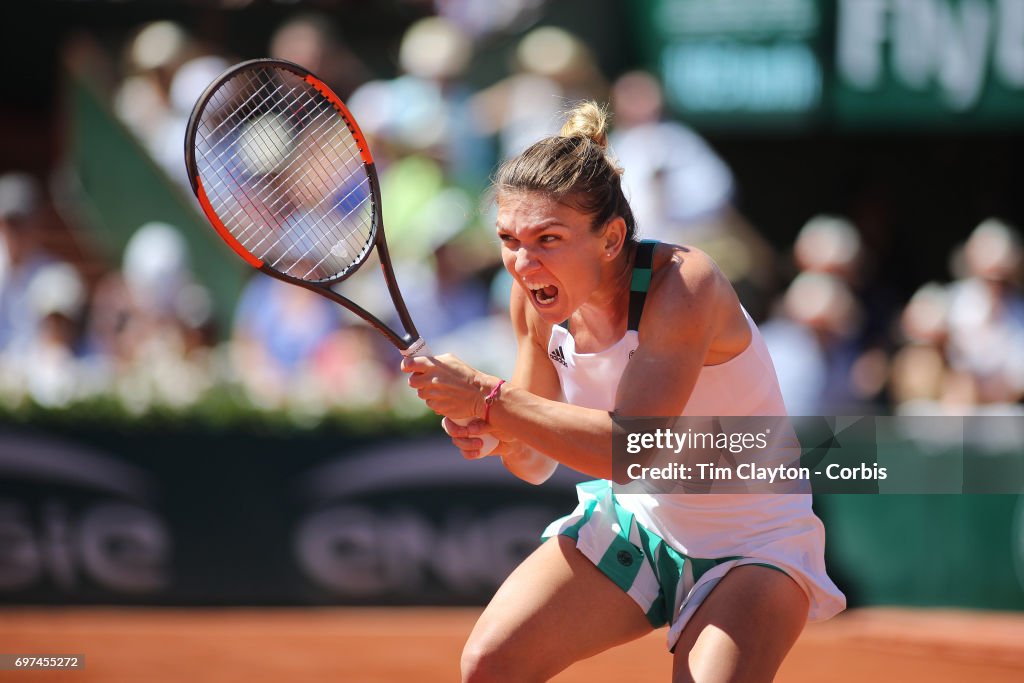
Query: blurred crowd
(144, 330)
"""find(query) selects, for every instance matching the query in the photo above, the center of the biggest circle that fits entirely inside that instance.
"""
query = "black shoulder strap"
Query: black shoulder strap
(639, 284)
(641, 281)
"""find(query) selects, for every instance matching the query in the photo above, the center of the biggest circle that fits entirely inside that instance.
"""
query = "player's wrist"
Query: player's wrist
(492, 398)
(489, 391)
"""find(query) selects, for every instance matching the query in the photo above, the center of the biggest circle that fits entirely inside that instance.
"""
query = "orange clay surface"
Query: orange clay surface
(343, 645)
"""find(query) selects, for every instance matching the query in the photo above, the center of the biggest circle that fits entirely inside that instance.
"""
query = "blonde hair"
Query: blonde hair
(573, 166)
(587, 120)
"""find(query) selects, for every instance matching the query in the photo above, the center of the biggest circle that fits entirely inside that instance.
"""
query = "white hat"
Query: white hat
(158, 44)
(19, 195)
(56, 288)
(993, 250)
(435, 47)
(192, 78)
(155, 263)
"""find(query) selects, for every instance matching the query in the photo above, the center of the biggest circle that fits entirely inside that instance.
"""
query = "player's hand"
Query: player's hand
(466, 438)
(448, 386)
(518, 458)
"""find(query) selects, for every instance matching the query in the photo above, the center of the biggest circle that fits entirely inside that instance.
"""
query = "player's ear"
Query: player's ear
(614, 237)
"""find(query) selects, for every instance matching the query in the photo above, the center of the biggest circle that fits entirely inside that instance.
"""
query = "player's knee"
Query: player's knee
(484, 664)
(488, 662)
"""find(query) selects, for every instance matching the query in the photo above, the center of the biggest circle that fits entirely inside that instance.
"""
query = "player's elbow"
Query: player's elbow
(535, 469)
(535, 478)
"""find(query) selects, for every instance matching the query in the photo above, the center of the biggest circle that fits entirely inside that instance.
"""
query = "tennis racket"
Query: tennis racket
(286, 179)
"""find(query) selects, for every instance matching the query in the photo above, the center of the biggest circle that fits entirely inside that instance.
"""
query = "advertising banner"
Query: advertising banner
(841, 64)
(941, 63)
(191, 515)
(737, 63)
(182, 517)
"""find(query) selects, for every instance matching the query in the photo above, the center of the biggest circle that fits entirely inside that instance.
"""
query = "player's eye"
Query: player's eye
(549, 238)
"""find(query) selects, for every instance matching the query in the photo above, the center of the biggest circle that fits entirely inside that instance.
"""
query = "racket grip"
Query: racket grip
(420, 348)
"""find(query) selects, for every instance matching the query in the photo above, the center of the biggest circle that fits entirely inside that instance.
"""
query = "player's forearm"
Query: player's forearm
(580, 438)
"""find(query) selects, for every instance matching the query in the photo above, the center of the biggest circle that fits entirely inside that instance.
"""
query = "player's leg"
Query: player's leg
(743, 630)
(556, 608)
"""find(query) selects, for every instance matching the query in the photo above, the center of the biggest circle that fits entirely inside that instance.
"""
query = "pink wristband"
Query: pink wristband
(491, 397)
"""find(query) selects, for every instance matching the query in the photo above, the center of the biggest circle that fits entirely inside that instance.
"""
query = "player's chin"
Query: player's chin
(552, 316)
(552, 311)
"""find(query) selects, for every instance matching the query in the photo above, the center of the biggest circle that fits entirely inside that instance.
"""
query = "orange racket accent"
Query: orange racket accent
(321, 87)
(221, 230)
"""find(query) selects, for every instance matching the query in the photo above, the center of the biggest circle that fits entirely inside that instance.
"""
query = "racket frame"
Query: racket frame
(409, 343)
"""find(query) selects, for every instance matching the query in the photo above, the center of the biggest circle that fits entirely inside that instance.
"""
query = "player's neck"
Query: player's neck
(605, 313)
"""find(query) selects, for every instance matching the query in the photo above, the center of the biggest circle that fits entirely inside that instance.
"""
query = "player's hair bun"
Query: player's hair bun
(587, 120)
(574, 165)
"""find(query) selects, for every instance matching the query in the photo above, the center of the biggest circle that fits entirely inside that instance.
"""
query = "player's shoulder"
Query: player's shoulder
(688, 296)
(685, 275)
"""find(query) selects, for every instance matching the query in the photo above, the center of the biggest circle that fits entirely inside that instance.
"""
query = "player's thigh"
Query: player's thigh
(744, 628)
(554, 609)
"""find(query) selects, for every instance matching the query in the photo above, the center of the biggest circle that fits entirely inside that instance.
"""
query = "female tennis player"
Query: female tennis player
(608, 325)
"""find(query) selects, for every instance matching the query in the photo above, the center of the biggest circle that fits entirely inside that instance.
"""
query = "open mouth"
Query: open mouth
(543, 295)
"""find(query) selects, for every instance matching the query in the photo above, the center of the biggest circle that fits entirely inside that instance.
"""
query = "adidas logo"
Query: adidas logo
(558, 356)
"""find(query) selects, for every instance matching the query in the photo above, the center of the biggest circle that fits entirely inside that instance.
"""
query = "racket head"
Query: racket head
(283, 172)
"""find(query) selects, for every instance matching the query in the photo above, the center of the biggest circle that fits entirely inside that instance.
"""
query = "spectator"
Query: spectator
(921, 381)
(311, 40)
(148, 331)
(23, 257)
(552, 68)
(681, 191)
(963, 341)
(53, 373)
(435, 161)
(142, 99)
(425, 111)
(187, 84)
(833, 244)
(447, 290)
(166, 70)
(986, 314)
(814, 344)
(678, 186)
(278, 331)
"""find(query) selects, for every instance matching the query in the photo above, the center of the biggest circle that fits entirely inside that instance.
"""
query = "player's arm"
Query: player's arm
(533, 373)
(685, 309)
(679, 325)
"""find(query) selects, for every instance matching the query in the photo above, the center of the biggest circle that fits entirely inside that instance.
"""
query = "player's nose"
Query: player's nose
(525, 262)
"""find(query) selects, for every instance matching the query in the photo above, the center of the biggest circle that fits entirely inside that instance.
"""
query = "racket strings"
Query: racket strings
(284, 173)
(302, 122)
(347, 238)
(286, 180)
(257, 185)
(298, 124)
(245, 111)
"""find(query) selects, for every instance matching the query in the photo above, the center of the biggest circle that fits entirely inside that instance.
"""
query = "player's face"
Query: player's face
(551, 251)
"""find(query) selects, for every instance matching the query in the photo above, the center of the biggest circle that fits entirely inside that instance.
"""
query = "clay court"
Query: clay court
(423, 644)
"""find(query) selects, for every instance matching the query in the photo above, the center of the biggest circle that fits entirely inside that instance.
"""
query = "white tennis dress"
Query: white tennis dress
(669, 550)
